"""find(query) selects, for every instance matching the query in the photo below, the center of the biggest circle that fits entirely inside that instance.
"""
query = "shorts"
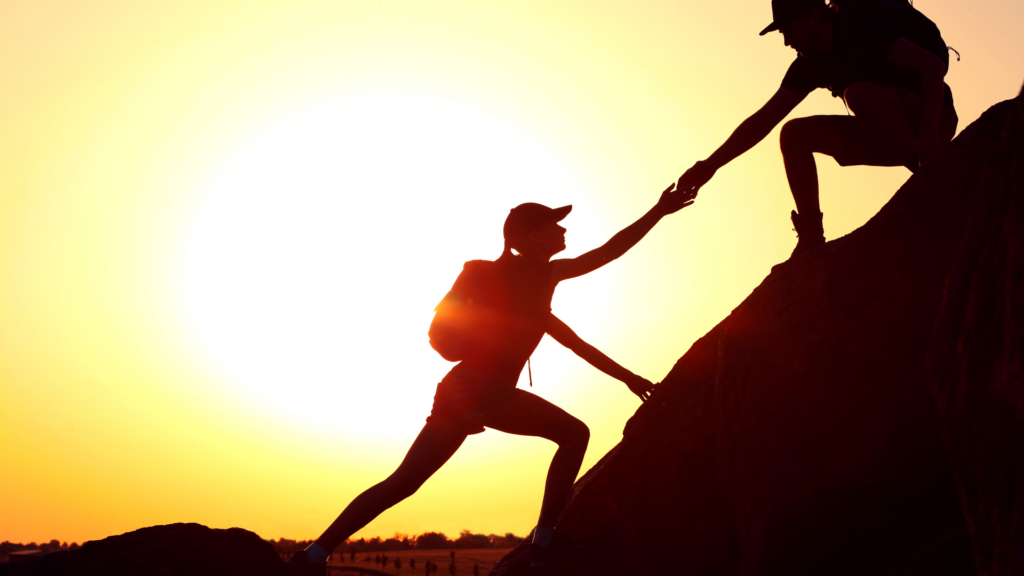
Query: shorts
(466, 396)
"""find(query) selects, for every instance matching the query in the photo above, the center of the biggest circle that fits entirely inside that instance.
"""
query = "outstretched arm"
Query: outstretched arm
(566, 337)
(749, 133)
(669, 203)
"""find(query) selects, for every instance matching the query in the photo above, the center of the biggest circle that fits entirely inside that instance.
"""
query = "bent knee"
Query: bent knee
(579, 436)
(793, 134)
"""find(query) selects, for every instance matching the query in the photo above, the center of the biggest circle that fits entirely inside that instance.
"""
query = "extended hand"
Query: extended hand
(672, 202)
(640, 386)
(696, 177)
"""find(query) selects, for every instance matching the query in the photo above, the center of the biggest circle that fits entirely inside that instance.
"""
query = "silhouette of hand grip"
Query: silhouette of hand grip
(671, 201)
(697, 176)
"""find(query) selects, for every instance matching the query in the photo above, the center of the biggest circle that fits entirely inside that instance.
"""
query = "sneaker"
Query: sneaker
(299, 565)
(805, 245)
(561, 550)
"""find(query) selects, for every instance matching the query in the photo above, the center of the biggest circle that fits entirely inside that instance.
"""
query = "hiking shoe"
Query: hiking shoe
(299, 565)
(809, 231)
(561, 550)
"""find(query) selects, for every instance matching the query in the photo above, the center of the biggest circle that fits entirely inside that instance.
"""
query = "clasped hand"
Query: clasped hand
(698, 175)
(673, 200)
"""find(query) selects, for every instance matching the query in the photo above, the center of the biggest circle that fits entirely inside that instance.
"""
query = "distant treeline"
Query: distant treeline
(285, 547)
(52, 546)
(399, 542)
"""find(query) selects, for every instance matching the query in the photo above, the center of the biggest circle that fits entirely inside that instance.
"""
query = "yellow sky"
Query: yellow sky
(223, 227)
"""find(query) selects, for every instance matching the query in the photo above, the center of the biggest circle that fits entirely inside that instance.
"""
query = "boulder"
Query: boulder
(171, 550)
(802, 434)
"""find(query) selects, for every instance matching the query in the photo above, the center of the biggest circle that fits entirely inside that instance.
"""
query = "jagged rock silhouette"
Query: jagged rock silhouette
(802, 435)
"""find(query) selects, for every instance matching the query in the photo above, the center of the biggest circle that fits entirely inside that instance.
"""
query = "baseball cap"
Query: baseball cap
(531, 216)
(785, 11)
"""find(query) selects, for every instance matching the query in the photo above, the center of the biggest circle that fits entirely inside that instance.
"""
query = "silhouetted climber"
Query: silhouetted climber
(476, 569)
(412, 563)
(491, 321)
(886, 60)
(352, 554)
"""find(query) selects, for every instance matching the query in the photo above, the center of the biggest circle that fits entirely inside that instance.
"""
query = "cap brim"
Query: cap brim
(771, 28)
(562, 212)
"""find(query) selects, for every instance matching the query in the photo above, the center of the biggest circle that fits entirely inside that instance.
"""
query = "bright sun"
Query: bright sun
(316, 255)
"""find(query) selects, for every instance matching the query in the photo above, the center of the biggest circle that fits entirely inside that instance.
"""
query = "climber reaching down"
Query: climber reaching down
(886, 60)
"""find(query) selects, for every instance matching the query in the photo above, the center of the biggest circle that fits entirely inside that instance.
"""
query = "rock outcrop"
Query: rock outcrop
(978, 359)
(172, 550)
(802, 435)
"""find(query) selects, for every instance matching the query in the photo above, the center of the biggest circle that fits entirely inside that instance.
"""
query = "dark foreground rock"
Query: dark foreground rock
(802, 434)
(978, 358)
(172, 550)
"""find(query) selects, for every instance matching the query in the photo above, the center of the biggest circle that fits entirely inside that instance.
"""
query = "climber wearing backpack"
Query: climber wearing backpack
(490, 322)
(887, 62)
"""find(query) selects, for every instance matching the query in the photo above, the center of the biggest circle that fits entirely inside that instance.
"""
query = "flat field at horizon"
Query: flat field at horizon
(465, 559)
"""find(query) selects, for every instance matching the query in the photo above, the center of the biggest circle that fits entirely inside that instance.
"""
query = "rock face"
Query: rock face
(172, 550)
(978, 359)
(802, 434)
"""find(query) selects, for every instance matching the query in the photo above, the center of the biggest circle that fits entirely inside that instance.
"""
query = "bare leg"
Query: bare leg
(842, 137)
(436, 443)
(891, 115)
(529, 415)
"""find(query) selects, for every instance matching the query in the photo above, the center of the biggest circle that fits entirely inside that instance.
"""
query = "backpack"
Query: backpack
(902, 17)
(468, 318)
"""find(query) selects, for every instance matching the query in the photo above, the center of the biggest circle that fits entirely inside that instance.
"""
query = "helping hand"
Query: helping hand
(640, 386)
(671, 201)
(697, 176)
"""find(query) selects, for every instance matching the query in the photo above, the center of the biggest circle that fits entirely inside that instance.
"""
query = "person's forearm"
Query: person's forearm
(632, 234)
(598, 360)
(746, 136)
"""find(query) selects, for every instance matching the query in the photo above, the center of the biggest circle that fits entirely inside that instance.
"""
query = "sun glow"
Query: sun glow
(314, 258)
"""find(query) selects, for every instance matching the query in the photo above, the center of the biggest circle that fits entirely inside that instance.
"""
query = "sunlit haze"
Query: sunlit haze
(224, 227)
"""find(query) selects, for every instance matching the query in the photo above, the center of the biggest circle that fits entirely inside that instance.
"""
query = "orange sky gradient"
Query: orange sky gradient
(224, 226)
